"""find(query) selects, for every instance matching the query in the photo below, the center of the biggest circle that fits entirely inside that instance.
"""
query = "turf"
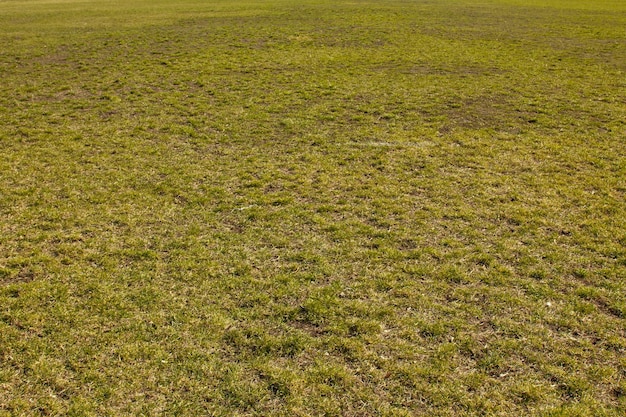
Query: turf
(312, 208)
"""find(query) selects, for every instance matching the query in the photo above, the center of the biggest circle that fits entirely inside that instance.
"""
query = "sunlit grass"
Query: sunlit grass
(312, 208)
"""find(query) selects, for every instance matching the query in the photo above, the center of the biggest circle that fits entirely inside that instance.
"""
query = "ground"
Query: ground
(312, 208)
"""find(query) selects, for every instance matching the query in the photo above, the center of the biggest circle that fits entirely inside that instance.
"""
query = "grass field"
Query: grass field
(306, 208)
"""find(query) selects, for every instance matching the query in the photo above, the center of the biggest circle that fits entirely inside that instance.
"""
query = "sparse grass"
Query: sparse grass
(312, 208)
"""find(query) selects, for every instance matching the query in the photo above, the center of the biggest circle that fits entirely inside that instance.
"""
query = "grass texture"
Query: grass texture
(312, 208)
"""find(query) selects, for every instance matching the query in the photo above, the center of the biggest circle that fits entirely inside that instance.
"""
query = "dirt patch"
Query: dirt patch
(488, 111)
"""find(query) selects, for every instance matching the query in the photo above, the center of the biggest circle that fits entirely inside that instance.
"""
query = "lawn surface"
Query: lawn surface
(342, 208)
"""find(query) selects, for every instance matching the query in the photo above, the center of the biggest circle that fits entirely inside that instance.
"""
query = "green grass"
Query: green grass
(312, 208)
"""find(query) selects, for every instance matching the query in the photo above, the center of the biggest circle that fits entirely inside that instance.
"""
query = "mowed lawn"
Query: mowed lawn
(312, 208)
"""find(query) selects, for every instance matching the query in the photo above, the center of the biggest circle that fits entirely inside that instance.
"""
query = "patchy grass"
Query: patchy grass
(322, 208)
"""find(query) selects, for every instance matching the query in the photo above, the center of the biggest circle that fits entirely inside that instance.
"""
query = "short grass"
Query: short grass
(312, 208)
